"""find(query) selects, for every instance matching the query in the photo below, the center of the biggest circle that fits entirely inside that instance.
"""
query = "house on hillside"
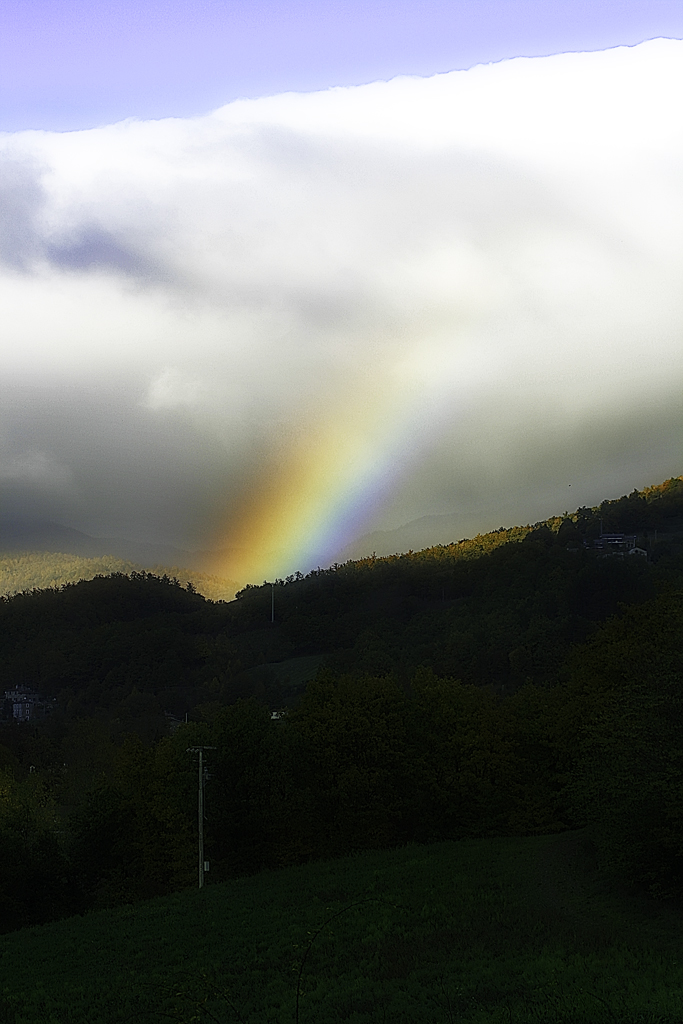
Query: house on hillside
(618, 545)
(22, 704)
(615, 543)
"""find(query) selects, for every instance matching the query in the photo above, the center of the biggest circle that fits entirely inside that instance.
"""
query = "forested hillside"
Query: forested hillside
(518, 683)
(38, 570)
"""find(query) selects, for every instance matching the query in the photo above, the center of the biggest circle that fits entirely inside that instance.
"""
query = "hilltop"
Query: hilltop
(41, 570)
(45, 555)
(495, 610)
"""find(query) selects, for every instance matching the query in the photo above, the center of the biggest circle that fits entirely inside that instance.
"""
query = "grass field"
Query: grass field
(498, 930)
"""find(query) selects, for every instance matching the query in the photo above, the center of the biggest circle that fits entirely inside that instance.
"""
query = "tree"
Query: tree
(458, 758)
(133, 838)
(35, 875)
(624, 716)
(353, 756)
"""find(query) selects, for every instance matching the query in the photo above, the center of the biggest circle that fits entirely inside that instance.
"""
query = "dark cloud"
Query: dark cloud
(93, 248)
(26, 241)
(92, 456)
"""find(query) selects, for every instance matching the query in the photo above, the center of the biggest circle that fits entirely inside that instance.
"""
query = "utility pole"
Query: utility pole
(203, 865)
(272, 602)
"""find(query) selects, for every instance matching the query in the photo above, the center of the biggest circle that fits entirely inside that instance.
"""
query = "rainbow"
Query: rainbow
(312, 499)
(317, 496)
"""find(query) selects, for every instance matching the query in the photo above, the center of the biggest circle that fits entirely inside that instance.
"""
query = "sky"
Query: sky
(275, 277)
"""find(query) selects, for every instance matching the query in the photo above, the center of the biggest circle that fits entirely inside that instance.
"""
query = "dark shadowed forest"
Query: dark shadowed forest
(524, 682)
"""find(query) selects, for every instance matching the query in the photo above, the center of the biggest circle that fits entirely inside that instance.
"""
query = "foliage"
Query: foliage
(117, 647)
(623, 711)
(352, 763)
(34, 871)
(541, 761)
(133, 839)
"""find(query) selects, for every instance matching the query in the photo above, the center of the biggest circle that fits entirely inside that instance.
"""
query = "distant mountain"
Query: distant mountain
(431, 531)
(36, 554)
(41, 570)
(37, 535)
(413, 536)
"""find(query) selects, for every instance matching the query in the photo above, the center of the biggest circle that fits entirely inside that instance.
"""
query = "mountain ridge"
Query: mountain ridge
(45, 535)
(34, 540)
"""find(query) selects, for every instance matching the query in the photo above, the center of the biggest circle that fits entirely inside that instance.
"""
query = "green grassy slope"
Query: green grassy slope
(477, 931)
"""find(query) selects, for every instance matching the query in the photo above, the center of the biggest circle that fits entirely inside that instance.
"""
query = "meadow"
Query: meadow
(479, 931)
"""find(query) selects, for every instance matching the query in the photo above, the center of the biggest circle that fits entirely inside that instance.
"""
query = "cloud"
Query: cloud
(34, 467)
(29, 242)
(92, 248)
(21, 198)
(425, 279)
(171, 391)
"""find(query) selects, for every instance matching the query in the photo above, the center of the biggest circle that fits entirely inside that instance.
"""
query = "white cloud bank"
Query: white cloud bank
(498, 252)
